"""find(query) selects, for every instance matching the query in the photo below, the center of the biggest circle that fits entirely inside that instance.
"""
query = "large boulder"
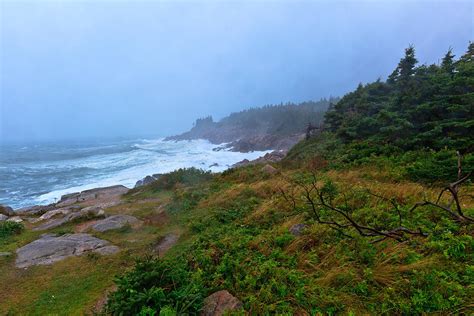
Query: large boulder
(6, 210)
(3, 218)
(220, 303)
(54, 213)
(15, 219)
(85, 213)
(35, 210)
(115, 222)
(51, 248)
(147, 180)
(106, 193)
(274, 156)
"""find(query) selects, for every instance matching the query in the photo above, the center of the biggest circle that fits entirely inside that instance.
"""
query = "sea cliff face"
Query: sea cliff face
(240, 138)
(276, 127)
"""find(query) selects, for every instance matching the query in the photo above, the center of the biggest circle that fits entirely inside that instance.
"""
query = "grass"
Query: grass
(74, 286)
(237, 238)
(234, 235)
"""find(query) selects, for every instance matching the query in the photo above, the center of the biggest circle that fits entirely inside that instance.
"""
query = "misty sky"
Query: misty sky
(72, 69)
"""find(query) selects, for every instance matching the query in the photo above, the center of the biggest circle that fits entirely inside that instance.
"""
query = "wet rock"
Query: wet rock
(274, 156)
(269, 169)
(220, 303)
(35, 210)
(93, 194)
(147, 180)
(297, 229)
(6, 210)
(15, 219)
(88, 212)
(115, 222)
(51, 248)
(54, 213)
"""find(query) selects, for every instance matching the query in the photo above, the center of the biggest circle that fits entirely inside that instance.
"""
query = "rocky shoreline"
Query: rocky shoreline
(88, 207)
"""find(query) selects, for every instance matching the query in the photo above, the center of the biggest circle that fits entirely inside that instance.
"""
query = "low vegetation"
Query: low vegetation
(8, 228)
(384, 218)
(384, 196)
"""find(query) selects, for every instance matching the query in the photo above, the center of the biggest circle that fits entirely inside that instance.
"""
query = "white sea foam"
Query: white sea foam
(149, 157)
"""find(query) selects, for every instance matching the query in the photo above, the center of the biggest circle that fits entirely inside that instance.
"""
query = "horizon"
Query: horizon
(69, 72)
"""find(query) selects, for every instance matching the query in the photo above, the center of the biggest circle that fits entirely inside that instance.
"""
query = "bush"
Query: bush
(156, 285)
(10, 228)
(186, 176)
(435, 167)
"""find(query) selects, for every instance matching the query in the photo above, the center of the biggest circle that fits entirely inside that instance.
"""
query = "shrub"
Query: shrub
(10, 228)
(156, 285)
(186, 176)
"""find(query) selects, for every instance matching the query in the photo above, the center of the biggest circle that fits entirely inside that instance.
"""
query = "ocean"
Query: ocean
(42, 173)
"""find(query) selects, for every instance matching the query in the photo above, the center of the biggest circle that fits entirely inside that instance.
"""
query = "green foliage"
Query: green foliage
(417, 107)
(237, 237)
(280, 120)
(435, 167)
(8, 228)
(156, 287)
(182, 176)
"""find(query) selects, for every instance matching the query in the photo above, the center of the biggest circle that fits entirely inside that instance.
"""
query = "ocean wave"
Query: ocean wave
(115, 167)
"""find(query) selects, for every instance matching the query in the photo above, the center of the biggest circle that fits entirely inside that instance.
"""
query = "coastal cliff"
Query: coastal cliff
(277, 127)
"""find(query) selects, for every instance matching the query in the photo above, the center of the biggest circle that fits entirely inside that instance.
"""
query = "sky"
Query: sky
(104, 69)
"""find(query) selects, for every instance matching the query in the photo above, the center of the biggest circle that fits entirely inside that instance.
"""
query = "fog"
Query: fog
(72, 70)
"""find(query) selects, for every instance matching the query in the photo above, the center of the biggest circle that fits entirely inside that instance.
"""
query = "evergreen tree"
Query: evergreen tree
(447, 64)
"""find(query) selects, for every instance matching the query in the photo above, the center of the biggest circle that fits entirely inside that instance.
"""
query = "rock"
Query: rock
(5, 254)
(35, 210)
(115, 222)
(219, 303)
(88, 212)
(269, 169)
(242, 163)
(93, 194)
(6, 210)
(297, 229)
(50, 248)
(3, 218)
(15, 219)
(147, 180)
(214, 165)
(53, 213)
(274, 156)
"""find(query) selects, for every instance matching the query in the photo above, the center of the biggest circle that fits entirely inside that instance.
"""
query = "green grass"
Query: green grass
(236, 237)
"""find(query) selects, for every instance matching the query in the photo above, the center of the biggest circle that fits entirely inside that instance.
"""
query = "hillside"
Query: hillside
(375, 215)
(268, 127)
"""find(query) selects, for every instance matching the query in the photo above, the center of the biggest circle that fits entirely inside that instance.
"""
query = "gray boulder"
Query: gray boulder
(115, 222)
(3, 218)
(51, 248)
(93, 194)
(85, 213)
(220, 303)
(15, 219)
(6, 210)
(147, 180)
(34, 210)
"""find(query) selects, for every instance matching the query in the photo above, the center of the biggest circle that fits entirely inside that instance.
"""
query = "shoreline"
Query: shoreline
(25, 189)
(269, 156)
